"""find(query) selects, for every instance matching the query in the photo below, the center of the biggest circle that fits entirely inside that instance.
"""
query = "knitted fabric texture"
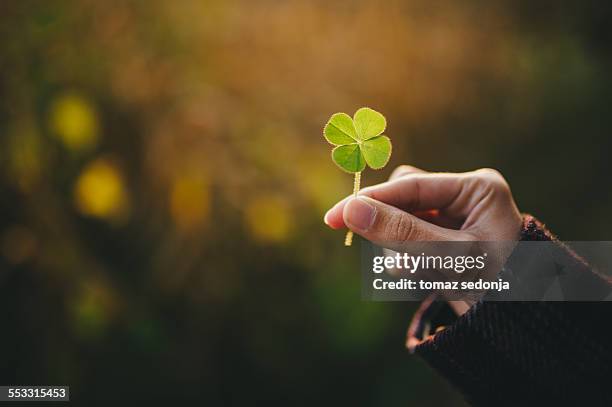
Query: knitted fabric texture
(526, 353)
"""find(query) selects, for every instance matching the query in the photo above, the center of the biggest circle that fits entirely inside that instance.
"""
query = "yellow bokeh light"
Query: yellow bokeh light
(74, 120)
(100, 191)
(189, 202)
(268, 218)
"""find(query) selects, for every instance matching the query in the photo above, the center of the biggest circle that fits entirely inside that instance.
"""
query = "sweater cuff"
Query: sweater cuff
(434, 314)
(534, 230)
(496, 342)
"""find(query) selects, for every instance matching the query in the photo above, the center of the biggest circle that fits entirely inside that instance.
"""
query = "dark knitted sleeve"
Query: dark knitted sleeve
(522, 353)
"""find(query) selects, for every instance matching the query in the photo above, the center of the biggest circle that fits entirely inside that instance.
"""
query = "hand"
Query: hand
(415, 205)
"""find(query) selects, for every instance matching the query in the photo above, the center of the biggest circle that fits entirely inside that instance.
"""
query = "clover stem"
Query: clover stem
(348, 240)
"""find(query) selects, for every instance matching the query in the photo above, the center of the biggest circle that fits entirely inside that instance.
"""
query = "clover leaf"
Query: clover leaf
(358, 140)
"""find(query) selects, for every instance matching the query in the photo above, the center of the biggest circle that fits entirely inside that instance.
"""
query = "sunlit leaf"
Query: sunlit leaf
(369, 123)
(377, 151)
(349, 158)
(340, 130)
(358, 142)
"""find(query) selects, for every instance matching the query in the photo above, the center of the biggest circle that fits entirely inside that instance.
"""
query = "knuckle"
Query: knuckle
(488, 173)
(492, 180)
(398, 171)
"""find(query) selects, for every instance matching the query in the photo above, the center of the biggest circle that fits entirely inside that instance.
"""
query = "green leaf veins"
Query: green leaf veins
(358, 141)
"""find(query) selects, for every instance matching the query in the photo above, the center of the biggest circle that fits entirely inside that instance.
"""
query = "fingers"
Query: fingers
(440, 218)
(411, 192)
(434, 216)
(390, 227)
(405, 170)
(333, 217)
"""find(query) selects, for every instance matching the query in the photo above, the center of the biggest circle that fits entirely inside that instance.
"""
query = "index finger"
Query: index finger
(411, 192)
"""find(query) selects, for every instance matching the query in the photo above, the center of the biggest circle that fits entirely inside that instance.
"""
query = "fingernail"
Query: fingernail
(360, 214)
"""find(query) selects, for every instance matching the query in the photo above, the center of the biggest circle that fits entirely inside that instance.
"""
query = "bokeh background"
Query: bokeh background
(163, 178)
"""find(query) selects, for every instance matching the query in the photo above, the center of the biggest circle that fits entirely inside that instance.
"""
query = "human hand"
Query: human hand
(415, 205)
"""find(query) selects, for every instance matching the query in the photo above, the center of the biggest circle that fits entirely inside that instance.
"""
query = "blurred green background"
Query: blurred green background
(164, 177)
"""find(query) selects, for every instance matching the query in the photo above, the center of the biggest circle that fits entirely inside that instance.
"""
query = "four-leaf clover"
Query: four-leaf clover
(358, 140)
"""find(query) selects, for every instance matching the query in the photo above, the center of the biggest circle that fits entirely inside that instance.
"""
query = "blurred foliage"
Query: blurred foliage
(164, 176)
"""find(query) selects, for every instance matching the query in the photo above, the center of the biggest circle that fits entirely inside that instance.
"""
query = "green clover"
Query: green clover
(358, 140)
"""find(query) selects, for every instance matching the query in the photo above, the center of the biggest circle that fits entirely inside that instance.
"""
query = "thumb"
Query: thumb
(390, 227)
